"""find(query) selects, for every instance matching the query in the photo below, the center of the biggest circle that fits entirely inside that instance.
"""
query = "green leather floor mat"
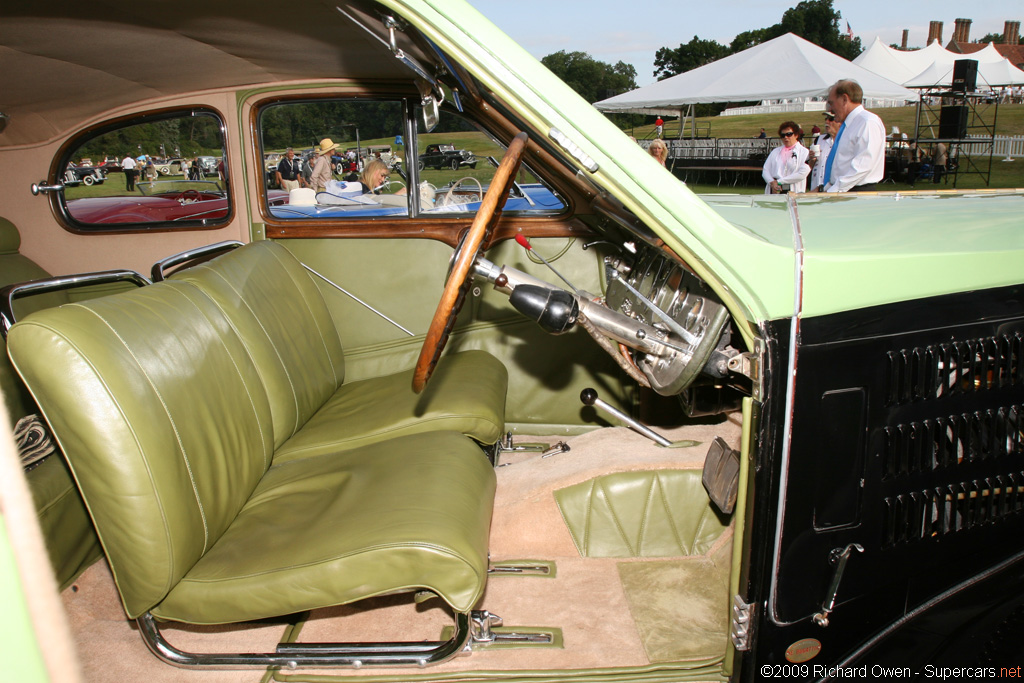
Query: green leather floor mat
(681, 607)
(652, 513)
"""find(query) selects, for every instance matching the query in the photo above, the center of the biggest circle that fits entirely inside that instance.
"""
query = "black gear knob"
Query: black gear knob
(588, 396)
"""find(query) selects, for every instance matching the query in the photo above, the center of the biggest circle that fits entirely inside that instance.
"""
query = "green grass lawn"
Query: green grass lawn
(1008, 119)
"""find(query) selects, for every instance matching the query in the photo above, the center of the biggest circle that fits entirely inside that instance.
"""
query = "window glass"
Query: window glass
(167, 169)
(334, 159)
(456, 163)
(329, 159)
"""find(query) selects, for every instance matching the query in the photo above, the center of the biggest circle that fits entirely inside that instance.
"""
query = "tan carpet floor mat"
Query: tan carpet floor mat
(586, 599)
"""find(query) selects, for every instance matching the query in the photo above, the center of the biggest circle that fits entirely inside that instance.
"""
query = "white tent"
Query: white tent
(990, 75)
(900, 66)
(787, 67)
(914, 68)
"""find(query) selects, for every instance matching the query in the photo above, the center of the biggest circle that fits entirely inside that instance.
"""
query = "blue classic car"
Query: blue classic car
(552, 418)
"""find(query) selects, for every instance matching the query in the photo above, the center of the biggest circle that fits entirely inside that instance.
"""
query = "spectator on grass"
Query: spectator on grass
(824, 144)
(786, 168)
(659, 150)
(128, 166)
(857, 160)
(939, 160)
(289, 172)
(659, 127)
(322, 165)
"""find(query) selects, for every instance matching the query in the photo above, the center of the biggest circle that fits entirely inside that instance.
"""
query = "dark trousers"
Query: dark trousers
(129, 179)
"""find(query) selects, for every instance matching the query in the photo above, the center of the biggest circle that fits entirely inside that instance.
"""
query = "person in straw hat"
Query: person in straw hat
(322, 166)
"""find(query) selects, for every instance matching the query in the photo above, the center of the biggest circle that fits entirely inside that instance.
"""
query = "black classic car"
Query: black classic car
(89, 175)
(446, 156)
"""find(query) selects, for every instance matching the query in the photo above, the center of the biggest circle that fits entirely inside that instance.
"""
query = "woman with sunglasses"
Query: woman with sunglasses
(786, 168)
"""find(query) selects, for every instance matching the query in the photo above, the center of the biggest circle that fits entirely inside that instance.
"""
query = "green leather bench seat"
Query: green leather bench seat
(273, 303)
(67, 530)
(395, 515)
(168, 421)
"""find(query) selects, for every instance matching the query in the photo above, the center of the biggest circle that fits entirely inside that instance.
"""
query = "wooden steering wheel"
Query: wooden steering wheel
(459, 276)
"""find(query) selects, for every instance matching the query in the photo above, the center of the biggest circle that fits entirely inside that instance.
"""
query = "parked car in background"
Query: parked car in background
(209, 164)
(168, 166)
(446, 156)
(109, 165)
(87, 175)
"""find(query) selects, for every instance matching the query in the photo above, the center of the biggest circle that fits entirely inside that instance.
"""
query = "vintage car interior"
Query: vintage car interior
(478, 420)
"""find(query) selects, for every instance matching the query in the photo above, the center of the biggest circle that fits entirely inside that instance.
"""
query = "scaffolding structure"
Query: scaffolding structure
(965, 122)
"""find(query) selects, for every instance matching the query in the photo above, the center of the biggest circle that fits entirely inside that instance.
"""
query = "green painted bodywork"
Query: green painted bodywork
(23, 660)
(871, 250)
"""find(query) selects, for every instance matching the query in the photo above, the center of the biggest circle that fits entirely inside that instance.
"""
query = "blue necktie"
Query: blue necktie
(832, 154)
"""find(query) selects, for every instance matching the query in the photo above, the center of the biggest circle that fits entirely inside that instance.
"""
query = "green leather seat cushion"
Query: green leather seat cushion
(375, 409)
(408, 513)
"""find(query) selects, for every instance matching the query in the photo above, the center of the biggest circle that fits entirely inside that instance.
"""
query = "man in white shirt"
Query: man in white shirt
(128, 166)
(857, 159)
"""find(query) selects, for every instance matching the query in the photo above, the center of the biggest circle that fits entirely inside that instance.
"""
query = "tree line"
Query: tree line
(816, 21)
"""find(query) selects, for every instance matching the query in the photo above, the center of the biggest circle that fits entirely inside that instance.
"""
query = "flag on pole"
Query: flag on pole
(849, 31)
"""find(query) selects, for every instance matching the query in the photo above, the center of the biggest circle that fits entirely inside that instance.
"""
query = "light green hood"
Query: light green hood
(857, 251)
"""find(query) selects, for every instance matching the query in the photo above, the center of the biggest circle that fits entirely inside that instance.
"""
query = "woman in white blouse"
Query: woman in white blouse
(786, 168)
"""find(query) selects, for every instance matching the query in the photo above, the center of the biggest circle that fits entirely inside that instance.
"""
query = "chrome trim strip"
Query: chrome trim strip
(52, 284)
(208, 251)
(787, 428)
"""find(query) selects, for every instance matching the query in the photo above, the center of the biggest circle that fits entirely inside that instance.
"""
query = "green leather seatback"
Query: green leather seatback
(162, 417)
(279, 312)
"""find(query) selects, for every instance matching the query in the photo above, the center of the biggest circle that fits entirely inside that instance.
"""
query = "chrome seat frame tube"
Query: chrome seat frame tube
(307, 655)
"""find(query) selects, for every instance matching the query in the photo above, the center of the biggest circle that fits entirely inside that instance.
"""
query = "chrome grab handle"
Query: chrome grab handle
(839, 557)
(41, 186)
(52, 284)
(199, 254)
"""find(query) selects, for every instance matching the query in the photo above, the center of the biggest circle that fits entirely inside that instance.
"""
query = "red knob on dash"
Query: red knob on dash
(523, 242)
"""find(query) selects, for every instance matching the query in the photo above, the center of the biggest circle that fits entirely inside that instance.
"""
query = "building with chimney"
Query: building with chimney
(961, 40)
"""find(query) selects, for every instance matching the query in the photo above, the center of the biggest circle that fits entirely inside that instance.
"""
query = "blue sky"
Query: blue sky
(633, 32)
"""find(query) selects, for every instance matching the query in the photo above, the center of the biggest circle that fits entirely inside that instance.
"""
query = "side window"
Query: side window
(329, 159)
(166, 170)
(456, 163)
(334, 159)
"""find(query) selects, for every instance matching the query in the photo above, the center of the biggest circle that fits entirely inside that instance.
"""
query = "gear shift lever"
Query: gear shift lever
(589, 397)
